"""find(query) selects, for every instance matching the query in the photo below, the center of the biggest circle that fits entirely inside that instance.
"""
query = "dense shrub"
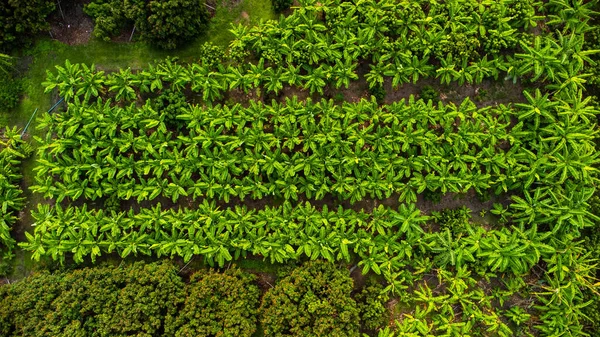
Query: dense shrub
(138, 300)
(171, 102)
(429, 93)
(371, 303)
(232, 297)
(378, 92)
(10, 93)
(19, 19)
(165, 24)
(281, 5)
(101, 301)
(314, 300)
(592, 244)
(210, 55)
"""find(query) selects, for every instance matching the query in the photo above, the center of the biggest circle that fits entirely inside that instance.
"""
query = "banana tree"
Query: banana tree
(540, 60)
(344, 72)
(447, 71)
(316, 78)
(124, 84)
(539, 108)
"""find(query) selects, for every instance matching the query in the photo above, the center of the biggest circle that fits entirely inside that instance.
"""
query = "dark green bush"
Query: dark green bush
(314, 300)
(210, 55)
(10, 93)
(455, 219)
(20, 19)
(109, 18)
(169, 103)
(429, 93)
(137, 300)
(93, 301)
(281, 5)
(230, 297)
(592, 244)
(371, 303)
(433, 196)
(166, 24)
(378, 92)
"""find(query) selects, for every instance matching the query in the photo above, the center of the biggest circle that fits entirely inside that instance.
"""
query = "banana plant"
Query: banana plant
(124, 84)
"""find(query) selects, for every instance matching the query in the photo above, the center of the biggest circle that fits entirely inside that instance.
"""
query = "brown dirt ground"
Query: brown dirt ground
(265, 281)
(356, 91)
(76, 27)
(487, 93)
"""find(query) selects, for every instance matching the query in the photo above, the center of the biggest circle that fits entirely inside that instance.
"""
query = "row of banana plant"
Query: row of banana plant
(455, 41)
(12, 151)
(558, 61)
(315, 149)
(86, 83)
(318, 149)
(383, 240)
(399, 38)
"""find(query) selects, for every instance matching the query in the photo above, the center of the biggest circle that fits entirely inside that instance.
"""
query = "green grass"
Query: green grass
(110, 56)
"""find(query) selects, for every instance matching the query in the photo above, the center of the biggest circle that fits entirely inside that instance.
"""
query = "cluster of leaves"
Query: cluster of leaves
(217, 304)
(10, 93)
(21, 19)
(592, 244)
(166, 24)
(314, 300)
(371, 302)
(10, 87)
(12, 151)
(136, 300)
(429, 93)
(210, 55)
(281, 5)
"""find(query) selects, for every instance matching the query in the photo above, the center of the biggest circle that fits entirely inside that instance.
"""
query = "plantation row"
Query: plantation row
(384, 241)
(561, 68)
(318, 46)
(316, 149)
(373, 28)
(463, 41)
(12, 151)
